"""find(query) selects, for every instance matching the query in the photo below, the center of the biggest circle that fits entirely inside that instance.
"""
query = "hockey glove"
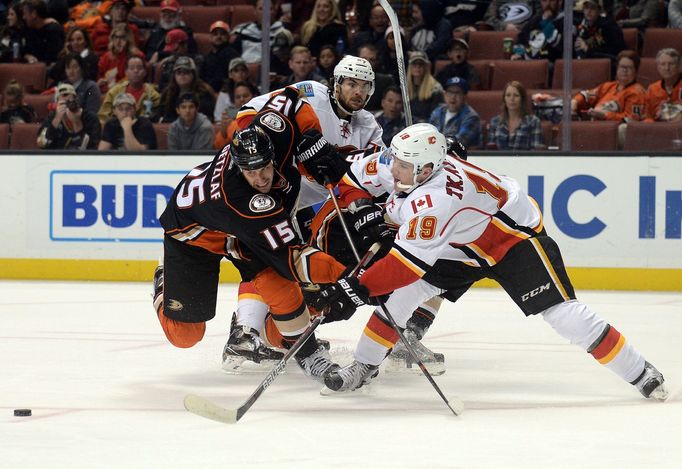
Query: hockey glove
(368, 221)
(455, 147)
(320, 158)
(342, 298)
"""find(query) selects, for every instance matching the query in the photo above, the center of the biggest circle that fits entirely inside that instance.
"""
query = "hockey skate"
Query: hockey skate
(350, 377)
(317, 364)
(157, 294)
(400, 360)
(651, 383)
(245, 351)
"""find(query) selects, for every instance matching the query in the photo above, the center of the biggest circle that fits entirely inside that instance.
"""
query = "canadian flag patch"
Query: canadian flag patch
(421, 203)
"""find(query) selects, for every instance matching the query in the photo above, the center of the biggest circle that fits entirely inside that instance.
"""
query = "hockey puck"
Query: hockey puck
(22, 412)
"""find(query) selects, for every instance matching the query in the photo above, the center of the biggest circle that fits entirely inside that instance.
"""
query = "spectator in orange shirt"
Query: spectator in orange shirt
(242, 93)
(619, 100)
(664, 97)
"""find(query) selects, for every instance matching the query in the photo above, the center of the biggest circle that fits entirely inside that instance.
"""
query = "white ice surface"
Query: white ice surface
(106, 391)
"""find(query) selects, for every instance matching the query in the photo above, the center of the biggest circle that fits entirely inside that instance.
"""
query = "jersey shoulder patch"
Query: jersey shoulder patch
(272, 121)
(305, 88)
(261, 203)
(421, 203)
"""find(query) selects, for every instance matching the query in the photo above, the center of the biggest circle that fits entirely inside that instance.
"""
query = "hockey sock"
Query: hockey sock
(181, 334)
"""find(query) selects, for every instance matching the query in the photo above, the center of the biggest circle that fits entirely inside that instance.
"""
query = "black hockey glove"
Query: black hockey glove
(455, 147)
(320, 158)
(368, 221)
(342, 298)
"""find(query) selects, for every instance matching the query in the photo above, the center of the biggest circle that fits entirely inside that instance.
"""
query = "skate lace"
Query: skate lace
(353, 374)
(317, 363)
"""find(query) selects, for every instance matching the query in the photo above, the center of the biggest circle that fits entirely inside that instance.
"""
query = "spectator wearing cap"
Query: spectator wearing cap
(192, 130)
(424, 91)
(382, 81)
(455, 117)
(177, 45)
(597, 35)
(185, 80)
(146, 97)
(112, 65)
(302, 66)
(126, 131)
(171, 18)
(69, 126)
(459, 66)
(44, 35)
(391, 117)
(388, 56)
(238, 72)
(515, 128)
(248, 35)
(216, 62)
(431, 33)
(119, 13)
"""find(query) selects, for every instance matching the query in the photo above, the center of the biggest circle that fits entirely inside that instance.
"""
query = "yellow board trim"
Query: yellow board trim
(583, 278)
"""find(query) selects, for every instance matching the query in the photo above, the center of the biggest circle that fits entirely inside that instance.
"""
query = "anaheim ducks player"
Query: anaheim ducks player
(344, 123)
(460, 223)
(238, 206)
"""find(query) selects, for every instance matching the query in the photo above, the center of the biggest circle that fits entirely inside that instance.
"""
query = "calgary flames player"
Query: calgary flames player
(459, 223)
(239, 206)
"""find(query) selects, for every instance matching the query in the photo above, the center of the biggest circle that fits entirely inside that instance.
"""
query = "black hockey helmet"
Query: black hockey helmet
(252, 149)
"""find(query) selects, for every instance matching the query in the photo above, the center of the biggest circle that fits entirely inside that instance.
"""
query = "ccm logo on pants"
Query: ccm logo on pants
(535, 291)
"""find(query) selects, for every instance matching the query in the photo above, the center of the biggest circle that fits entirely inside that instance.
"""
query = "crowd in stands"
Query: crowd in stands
(141, 75)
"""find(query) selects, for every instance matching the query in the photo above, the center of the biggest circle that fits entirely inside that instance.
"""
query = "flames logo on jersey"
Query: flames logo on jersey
(261, 203)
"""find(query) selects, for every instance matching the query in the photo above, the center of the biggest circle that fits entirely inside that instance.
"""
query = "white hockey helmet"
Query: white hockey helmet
(351, 66)
(419, 144)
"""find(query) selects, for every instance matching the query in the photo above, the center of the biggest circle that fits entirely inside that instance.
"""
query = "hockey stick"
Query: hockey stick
(400, 57)
(456, 402)
(205, 408)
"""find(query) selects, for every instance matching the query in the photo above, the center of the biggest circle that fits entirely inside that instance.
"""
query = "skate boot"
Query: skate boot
(651, 383)
(317, 363)
(244, 351)
(400, 359)
(157, 294)
(350, 377)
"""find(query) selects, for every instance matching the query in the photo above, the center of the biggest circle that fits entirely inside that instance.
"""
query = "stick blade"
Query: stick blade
(207, 409)
(456, 405)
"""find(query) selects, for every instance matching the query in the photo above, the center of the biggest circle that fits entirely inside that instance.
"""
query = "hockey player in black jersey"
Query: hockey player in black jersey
(238, 206)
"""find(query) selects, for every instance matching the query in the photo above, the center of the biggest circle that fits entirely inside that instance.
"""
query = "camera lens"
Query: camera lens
(72, 104)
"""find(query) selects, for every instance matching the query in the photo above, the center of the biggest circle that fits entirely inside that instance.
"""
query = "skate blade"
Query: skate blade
(660, 393)
(402, 366)
(366, 390)
(240, 365)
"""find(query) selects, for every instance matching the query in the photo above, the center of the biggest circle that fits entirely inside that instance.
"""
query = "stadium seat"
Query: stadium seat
(656, 39)
(647, 73)
(39, 102)
(631, 37)
(547, 133)
(203, 42)
(232, 2)
(531, 73)
(592, 135)
(487, 103)
(200, 18)
(488, 44)
(4, 136)
(587, 73)
(653, 136)
(241, 14)
(23, 137)
(32, 76)
(152, 13)
(161, 131)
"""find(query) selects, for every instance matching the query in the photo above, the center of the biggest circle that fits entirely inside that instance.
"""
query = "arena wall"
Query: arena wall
(617, 219)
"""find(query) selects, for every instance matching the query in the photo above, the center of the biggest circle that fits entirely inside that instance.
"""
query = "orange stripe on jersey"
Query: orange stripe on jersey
(497, 239)
(213, 241)
(307, 119)
(609, 347)
(321, 222)
(380, 332)
(245, 117)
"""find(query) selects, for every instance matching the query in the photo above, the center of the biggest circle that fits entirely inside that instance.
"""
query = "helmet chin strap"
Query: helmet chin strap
(407, 188)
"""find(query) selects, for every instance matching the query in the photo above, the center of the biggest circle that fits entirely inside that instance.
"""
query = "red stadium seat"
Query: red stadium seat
(32, 76)
(647, 73)
(587, 73)
(161, 131)
(200, 18)
(23, 136)
(4, 136)
(656, 39)
(152, 13)
(203, 42)
(481, 66)
(531, 73)
(39, 102)
(487, 103)
(592, 135)
(488, 44)
(242, 14)
(653, 136)
(631, 36)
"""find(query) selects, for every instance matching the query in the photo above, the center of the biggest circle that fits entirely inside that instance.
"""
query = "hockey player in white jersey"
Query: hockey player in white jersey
(460, 223)
(346, 124)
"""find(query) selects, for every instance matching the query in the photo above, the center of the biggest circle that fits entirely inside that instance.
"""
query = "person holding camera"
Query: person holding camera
(127, 131)
(69, 126)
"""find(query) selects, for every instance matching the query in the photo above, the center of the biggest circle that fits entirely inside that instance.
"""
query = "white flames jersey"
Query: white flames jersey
(463, 213)
(361, 131)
